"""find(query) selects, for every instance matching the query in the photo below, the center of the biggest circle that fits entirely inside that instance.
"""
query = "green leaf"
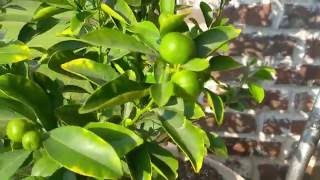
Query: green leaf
(110, 38)
(124, 9)
(172, 23)
(217, 145)
(207, 13)
(116, 92)
(187, 136)
(68, 4)
(59, 58)
(167, 6)
(108, 10)
(161, 93)
(121, 139)
(264, 73)
(147, 32)
(9, 104)
(163, 161)
(70, 115)
(11, 161)
(211, 40)
(44, 12)
(223, 63)
(196, 64)
(13, 53)
(83, 152)
(78, 21)
(68, 45)
(95, 72)
(136, 3)
(30, 94)
(139, 164)
(45, 166)
(193, 110)
(256, 91)
(216, 104)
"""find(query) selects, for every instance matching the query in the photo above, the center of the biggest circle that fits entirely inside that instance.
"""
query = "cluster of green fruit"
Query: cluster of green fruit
(21, 131)
(177, 49)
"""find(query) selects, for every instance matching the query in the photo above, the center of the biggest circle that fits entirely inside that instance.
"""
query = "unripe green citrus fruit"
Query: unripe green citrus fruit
(176, 48)
(16, 129)
(188, 82)
(31, 140)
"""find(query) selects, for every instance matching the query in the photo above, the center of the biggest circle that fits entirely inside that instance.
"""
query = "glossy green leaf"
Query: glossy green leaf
(108, 10)
(68, 4)
(68, 45)
(134, 2)
(122, 139)
(256, 91)
(78, 21)
(207, 13)
(30, 94)
(264, 73)
(217, 145)
(223, 63)
(124, 9)
(139, 164)
(160, 71)
(70, 115)
(161, 93)
(216, 104)
(147, 32)
(163, 161)
(193, 110)
(10, 104)
(110, 38)
(187, 136)
(45, 166)
(115, 54)
(45, 11)
(172, 23)
(167, 6)
(13, 53)
(59, 58)
(211, 40)
(95, 72)
(196, 64)
(83, 152)
(116, 92)
(11, 161)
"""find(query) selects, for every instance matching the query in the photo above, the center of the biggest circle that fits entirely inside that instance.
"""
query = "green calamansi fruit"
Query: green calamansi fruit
(127, 122)
(176, 48)
(31, 140)
(16, 129)
(187, 82)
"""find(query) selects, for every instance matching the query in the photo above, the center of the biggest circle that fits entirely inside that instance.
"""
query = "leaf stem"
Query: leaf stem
(142, 111)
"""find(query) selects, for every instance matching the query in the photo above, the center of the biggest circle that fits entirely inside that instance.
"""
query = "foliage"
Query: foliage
(89, 79)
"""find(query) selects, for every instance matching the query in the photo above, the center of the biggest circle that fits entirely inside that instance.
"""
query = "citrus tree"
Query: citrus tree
(96, 89)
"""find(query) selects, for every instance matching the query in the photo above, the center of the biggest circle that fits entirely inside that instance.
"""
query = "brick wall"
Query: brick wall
(286, 35)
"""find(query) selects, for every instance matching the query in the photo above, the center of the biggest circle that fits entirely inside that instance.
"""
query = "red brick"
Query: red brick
(258, 15)
(304, 102)
(262, 46)
(275, 126)
(297, 127)
(233, 123)
(229, 75)
(301, 17)
(307, 73)
(275, 100)
(240, 146)
(272, 171)
(313, 48)
(268, 149)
